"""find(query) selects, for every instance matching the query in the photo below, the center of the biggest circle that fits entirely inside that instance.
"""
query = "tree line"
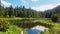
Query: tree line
(29, 13)
(19, 12)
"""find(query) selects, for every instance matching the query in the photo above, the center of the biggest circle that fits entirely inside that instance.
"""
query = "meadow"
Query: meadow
(54, 27)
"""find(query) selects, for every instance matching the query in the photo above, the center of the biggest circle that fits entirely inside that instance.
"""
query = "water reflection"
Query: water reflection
(40, 28)
(30, 31)
(24, 23)
(36, 29)
(31, 26)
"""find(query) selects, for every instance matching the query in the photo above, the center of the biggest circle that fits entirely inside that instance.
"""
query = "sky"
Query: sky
(38, 5)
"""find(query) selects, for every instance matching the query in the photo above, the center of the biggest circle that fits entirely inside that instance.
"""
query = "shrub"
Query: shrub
(4, 25)
(54, 19)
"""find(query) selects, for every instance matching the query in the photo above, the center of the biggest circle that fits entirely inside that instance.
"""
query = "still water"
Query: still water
(35, 30)
(31, 26)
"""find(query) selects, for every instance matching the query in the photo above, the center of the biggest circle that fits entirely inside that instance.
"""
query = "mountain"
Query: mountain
(48, 13)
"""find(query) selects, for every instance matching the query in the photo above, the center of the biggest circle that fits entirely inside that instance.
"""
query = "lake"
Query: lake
(31, 26)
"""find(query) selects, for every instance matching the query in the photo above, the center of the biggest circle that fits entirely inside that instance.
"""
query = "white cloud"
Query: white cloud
(45, 7)
(6, 4)
(35, 0)
(25, 2)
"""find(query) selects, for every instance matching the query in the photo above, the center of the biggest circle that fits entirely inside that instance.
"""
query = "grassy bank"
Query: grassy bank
(7, 28)
(54, 27)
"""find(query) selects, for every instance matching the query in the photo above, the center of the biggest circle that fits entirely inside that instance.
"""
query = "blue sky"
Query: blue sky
(34, 4)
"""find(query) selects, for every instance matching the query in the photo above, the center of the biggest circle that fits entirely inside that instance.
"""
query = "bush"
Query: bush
(4, 25)
(13, 30)
(54, 19)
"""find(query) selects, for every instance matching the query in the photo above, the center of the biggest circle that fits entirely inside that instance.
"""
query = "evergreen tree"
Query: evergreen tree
(11, 11)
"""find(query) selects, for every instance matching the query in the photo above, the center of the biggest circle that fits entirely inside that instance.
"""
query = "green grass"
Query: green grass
(13, 29)
(18, 18)
(47, 21)
(54, 29)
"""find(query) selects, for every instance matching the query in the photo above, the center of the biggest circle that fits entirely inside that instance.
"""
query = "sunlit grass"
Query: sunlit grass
(12, 30)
